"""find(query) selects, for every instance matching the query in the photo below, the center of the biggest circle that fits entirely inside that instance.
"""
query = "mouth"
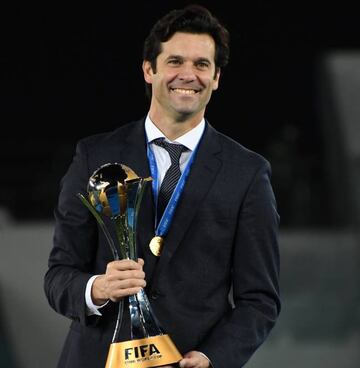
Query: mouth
(184, 91)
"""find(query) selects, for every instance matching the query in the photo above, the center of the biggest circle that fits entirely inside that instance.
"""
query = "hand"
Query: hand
(122, 278)
(193, 359)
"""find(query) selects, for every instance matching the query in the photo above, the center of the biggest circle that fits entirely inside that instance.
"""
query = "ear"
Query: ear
(148, 72)
(216, 80)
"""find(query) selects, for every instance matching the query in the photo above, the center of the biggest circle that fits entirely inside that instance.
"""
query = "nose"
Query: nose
(187, 73)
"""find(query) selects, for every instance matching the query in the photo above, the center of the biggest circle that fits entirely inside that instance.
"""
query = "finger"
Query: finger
(116, 295)
(194, 359)
(127, 284)
(186, 363)
(119, 289)
(124, 264)
(118, 275)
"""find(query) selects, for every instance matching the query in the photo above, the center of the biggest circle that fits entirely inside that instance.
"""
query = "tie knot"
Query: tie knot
(174, 149)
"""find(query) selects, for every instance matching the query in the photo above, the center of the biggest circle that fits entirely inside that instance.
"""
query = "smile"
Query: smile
(184, 91)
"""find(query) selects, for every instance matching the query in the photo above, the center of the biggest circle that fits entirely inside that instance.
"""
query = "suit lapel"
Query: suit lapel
(133, 149)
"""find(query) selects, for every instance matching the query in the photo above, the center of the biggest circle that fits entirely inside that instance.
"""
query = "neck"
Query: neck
(175, 128)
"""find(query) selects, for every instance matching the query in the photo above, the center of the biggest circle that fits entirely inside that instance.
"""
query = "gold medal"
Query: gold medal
(156, 245)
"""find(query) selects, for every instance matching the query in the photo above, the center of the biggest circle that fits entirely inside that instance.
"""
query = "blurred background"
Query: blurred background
(291, 92)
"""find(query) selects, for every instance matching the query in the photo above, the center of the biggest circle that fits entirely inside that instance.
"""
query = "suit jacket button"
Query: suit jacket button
(154, 295)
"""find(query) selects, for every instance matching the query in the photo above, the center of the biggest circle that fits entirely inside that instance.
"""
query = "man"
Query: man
(214, 287)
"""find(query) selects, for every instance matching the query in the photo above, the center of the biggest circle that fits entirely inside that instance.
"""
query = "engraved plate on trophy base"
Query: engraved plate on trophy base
(143, 353)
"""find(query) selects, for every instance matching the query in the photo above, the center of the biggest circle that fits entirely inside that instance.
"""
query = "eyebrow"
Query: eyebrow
(200, 59)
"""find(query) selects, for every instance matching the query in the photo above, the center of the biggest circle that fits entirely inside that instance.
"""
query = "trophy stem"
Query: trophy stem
(152, 325)
(143, 321)
(122, 236)
(118, 322)
(101, 224)
(138, 328)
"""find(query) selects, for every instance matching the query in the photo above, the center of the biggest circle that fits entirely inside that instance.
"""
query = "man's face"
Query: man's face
(185, 75)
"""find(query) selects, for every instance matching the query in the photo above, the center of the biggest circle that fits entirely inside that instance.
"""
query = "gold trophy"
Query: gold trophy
(115, 191)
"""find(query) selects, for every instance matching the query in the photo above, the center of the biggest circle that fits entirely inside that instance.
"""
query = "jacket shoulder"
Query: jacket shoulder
(109, 138)
(239, 154)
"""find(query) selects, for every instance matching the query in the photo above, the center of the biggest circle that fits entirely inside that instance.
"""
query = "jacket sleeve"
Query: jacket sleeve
(255, 284)
(74, 244)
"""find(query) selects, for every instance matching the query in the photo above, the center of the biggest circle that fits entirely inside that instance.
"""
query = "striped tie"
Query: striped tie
(172, 174)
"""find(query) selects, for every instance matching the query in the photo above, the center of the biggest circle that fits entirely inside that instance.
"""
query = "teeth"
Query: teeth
(184, 91)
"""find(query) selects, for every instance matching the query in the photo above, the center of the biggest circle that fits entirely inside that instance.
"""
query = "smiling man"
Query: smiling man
(213, 282)
(182, 80)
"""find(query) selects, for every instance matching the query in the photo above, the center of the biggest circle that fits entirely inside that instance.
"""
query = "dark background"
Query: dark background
(73, 69)
(69, 70)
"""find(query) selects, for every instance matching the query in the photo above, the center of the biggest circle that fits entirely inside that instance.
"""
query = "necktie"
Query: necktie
(172, 175)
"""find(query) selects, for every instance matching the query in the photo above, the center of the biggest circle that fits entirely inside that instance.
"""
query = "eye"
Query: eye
(174, 61)
(202, 65)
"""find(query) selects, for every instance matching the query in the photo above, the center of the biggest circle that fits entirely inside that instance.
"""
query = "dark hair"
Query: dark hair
(191, 19)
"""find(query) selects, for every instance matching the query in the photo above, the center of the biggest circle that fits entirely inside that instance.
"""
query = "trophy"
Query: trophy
(115, 191)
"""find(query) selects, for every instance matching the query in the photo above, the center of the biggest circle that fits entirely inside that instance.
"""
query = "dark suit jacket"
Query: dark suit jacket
(223, 237)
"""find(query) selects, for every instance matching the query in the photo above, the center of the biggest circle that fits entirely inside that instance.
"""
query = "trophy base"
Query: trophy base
(151, 351)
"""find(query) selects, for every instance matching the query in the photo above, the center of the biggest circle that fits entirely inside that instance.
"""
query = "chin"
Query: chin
(185, 110)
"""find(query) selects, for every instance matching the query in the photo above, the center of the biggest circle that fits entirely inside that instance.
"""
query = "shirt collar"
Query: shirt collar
(189, 139)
